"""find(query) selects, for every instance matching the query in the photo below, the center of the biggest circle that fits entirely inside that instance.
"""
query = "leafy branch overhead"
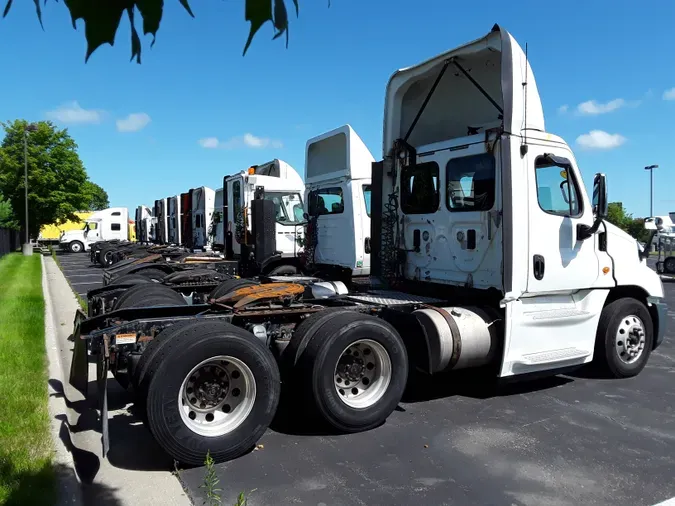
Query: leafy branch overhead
(102, 19)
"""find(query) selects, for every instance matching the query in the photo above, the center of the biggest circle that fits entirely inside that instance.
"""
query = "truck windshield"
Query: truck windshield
(288, 207)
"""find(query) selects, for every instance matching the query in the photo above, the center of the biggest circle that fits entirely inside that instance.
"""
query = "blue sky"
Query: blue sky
(604, 70)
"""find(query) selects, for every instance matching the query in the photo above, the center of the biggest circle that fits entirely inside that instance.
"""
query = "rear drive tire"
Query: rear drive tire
(284, 270)
(76, 247)
(149, 295)
(231, 284)
(134, 279)
(151, 273)
(354, 371)
(227, 419)
(105, 256)
(624, 339)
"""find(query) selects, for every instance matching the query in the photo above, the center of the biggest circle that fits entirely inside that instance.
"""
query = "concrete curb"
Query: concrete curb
(69, 490)
(136, 471)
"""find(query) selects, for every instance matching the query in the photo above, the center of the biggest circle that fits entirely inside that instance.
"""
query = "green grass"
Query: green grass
(80, 300)
(26, 473)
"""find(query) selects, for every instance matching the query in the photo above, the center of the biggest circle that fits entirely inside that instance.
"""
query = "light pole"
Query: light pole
(651, 168)
(30, 127)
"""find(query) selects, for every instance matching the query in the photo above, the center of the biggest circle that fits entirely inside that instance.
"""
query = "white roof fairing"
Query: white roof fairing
(496, 62)
(335, 154)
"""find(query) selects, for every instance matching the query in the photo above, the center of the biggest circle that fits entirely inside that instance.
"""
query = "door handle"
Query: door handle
(366, 246)
(538, 266)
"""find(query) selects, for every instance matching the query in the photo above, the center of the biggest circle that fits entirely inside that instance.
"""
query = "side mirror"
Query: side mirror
(600, 204)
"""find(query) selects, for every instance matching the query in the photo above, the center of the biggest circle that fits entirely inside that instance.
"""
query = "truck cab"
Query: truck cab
(162, 221)
(106, 225)
(203, 202)
(143, 222)
(217, 224)
(174, 220)
(283, 186)
(476, 201)
(338, 190)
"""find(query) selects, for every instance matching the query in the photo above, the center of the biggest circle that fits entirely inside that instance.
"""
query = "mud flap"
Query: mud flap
(102, 367)
(79, 365)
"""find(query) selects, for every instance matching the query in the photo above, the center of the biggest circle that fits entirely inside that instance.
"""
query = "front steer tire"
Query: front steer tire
(317, 370)
(171, 366)
(622, 314)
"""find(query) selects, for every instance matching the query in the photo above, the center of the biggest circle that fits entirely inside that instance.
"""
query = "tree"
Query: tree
(617, 215)
(7, 219)
(56, 176)
(102, 19)
(97, 197)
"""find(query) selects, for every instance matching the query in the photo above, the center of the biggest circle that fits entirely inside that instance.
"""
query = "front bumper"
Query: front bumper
(661, 309)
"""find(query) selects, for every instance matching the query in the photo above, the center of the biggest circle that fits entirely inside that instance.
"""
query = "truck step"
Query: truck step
(546, 357)
(391, 298)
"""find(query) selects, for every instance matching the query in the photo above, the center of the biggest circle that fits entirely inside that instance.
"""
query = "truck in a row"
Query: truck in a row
(331, 239)
(485, 251)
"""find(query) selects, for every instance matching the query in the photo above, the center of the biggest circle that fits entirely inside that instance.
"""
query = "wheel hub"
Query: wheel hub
(351, 368)
(363, 373)
(630, 339)
(217, 395)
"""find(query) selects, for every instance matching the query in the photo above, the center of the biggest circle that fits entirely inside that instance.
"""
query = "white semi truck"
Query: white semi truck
(174, 220)
(106, 225)
(489, 250)
(284, 187)
(144, 224)
(664, 240)
(161, 221)
(203, 207)
(338, 170)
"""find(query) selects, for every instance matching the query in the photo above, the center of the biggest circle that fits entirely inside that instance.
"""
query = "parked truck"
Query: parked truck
(663, 237)
(52, 233)
(110, 224)
(489, 251)
(144, 225)
(338, 171)
(280, 184)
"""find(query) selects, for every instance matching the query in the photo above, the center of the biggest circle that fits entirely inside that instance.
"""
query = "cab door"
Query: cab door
(553, 324)
(334, 226)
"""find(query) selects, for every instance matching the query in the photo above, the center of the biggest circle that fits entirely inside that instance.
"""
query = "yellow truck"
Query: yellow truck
(52, 232)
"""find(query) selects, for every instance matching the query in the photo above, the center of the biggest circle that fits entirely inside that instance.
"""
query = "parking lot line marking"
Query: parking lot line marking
(667, 502)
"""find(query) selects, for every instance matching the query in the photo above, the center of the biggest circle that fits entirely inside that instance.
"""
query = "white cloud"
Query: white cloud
(73, 113)
(247, 140)
(209, 142)
(133, 122)
(669, 94)
(563, 109)
(591, 107)
(598, 139)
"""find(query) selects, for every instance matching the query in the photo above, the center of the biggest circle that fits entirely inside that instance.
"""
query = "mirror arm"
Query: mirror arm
(585, 232)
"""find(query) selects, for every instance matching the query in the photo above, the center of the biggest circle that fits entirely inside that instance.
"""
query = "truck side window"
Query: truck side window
(327, 201)
(471, 183)
(556, 192)
(419, 188)
(115, 227)
(366, 197)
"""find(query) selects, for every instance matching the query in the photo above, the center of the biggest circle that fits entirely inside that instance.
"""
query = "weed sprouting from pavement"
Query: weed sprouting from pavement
(210, 482)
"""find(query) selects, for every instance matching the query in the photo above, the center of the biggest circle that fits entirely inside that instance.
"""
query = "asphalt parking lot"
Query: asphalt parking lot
(564, 440)
(81, 273)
